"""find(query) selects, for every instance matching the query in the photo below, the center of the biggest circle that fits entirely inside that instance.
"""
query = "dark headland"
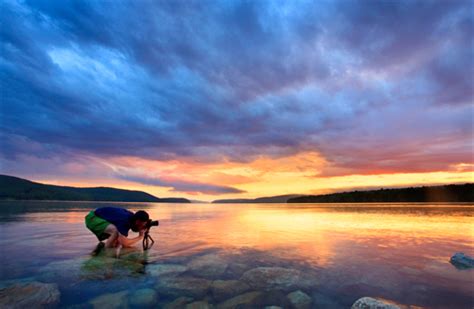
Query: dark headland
(269, 199)
(463, 193)
(14, 188)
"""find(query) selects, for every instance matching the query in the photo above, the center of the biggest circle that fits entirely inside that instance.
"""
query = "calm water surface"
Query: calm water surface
(334, 253)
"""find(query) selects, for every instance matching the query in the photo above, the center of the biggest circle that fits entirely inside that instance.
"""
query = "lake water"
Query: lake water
(212, 253)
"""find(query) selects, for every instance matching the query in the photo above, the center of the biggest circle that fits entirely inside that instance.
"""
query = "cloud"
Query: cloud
(363, 83)
(181, 186)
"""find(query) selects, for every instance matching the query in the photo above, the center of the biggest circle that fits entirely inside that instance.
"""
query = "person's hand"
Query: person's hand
(141, 233)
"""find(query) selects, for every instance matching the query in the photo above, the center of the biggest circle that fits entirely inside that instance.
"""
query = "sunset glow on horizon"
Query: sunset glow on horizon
(238, 99)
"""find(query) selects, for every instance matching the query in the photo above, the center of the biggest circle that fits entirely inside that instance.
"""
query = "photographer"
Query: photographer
(113, 223)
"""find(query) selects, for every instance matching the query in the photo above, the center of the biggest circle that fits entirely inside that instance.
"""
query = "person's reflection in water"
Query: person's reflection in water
(104, 266)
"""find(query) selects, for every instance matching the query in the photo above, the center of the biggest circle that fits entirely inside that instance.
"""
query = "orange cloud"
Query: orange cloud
(265, 176)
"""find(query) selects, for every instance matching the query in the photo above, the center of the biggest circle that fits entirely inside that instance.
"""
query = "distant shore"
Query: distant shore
(14, 188)
(463, 193)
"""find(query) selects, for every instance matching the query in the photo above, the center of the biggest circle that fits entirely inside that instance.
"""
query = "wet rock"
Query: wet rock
(178, 303)
(183, 286)
(111, 300)
(236, 270)
(96, 268)
(224, 289)
(269, 298)
(54, 271)
(299, 300)
(143, 298)
(79, 306)
(248, 299)
(462, 261)
(273, 307)
(372, 303)
(275, 278)
(29, 294)
(158, 270)
(210, 266)
(199, 305)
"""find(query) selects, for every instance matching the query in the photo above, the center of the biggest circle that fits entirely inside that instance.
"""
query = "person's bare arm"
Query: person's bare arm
(128, 242)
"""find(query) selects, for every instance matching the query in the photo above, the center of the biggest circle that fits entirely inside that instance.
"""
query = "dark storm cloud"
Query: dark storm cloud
(236, 79)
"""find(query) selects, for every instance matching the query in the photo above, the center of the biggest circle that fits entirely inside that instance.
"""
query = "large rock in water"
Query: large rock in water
(300, 300)
(183, 286)
(269, 278)
(95, 268)
(29, 294)
(199, 305)
(162, 270)
(178, 303)
(462, 261)
(210, 266)
(241, 301)
(143, 298)
(372, 303)
(223, 289)
(117, 300)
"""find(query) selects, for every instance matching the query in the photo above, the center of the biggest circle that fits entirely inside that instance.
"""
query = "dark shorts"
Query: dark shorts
(97, 226)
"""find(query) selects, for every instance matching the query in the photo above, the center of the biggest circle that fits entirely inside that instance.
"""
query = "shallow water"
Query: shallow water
(333, 253)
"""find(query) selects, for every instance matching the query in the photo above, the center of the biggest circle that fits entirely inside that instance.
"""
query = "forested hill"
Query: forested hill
(269, 199)
(447, 193)
(13, 188)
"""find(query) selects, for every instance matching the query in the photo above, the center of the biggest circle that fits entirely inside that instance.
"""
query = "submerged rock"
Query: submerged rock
(183, 286)
(299, 300)
(199, 305)
(270, 298)
(179, 302)
(54, 271)
(223, 289)
(275, 278)
(29, 294)
(372, 303)
(111, 300)
(210, 266)
(143, 298)
(462, 261)
(165, 269)
(96, 268)
(236, 270)
(247, 299)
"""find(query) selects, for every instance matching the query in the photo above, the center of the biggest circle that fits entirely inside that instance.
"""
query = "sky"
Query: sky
(237, 99)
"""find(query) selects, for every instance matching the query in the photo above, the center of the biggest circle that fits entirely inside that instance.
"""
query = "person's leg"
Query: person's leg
(113, 232)
(97, 226)
(98, 249)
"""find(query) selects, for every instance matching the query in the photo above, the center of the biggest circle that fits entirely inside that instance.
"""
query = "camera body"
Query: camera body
(151, 223)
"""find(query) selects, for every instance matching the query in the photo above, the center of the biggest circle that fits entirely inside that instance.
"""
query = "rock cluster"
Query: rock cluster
(462, 261)
(29, 294)
(372, 303)
(207, 281)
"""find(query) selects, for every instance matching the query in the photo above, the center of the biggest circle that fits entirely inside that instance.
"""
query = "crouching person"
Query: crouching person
(112, 225)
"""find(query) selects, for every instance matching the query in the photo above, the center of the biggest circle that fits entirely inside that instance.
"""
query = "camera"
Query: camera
(151, 223)
(147, 240)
